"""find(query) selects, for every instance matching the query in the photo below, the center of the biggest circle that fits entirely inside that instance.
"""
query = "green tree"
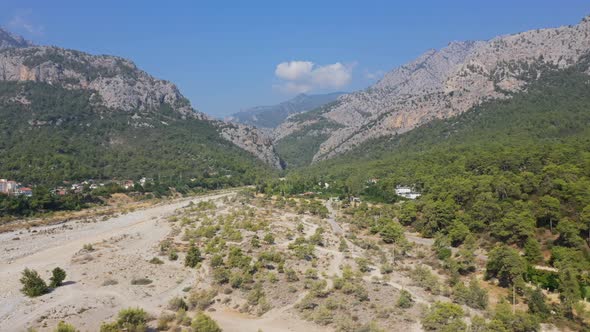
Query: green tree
(532, 251)
(506, 265)
(548, 210)
(536, 303)
(58, 275)
(33, 284)
(515, 227)
(444, 317)
(569, 290)
(204, 323)
(569, 233)
(132, 320)
(585, 217)
(193, 256)
(391, 232)
(458, 232)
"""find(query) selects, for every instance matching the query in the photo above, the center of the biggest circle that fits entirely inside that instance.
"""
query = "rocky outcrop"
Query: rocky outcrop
(119, 86)
(8, 39)
(118, 82)
(251, 140)
(444, 83)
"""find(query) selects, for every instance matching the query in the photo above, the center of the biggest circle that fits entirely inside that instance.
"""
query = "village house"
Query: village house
(406, 192)
(25, 191)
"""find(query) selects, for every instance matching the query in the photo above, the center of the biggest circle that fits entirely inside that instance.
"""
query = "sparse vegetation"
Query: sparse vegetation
(33, 284)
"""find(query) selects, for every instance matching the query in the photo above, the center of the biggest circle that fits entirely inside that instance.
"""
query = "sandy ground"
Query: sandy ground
(98, 282)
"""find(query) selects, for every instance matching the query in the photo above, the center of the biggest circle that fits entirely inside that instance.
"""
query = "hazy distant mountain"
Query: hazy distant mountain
(273, 115)
(8, 39)
(438, 84)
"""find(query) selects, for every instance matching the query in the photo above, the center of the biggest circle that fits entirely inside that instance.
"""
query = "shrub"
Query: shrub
(201, 299)
(156, 261)
(291, 275)
(204, 323)
(269, 238)
(141, 281)
(65, 327)
(193, 256)
(172, 255)
(473, 296)
(58, 275)
(425, 279)
(164, 320)
(177, 303)
(33, 284)
(132, 319)
(444, 317)
(405, 299)
(323, 316)
(88, 247)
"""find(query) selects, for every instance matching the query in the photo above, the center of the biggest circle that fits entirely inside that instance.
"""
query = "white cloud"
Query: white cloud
(21, 21)
(305, 76)
(293, 70)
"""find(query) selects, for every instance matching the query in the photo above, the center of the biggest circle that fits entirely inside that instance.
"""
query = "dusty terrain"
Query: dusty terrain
(308, 277)
(122, 247)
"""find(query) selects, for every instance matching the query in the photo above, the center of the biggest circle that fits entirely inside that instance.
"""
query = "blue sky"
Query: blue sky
(224, 54)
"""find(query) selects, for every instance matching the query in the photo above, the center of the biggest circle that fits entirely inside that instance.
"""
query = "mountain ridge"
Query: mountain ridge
(439, 84)
(119, 85)
(270, 116)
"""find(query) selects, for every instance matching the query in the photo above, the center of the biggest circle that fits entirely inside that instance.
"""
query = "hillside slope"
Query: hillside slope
(117, 85)
(438, 84)
(273, 115)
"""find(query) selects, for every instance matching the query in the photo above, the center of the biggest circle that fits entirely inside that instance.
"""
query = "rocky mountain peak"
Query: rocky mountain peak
(8, 39)
(440, 84)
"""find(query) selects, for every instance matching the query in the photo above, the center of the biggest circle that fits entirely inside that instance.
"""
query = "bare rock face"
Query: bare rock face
(444, 83)
(118, 82)
(251, 140)
(8, 39)
(118, 85)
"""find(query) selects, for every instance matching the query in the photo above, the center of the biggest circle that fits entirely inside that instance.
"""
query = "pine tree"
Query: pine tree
(193, 256)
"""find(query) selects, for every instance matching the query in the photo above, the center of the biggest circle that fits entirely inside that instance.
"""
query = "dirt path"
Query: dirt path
(336, 228)
(123, 245)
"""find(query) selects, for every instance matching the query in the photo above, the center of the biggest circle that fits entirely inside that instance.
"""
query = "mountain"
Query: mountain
(438, 84)
(72, 115)
(273, 115)
(8, 39)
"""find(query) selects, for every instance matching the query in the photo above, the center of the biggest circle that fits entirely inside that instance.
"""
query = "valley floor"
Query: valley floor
(122, 246)
(106, 262)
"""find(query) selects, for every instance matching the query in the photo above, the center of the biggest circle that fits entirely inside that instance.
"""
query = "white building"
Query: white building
(406, 192)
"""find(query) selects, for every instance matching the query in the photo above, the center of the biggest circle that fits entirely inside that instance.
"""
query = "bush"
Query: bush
(444, 317)
(141, 281)
(65, 327)
(473, 296)
(156, 261)
(269, 238)
(425, 279)
(164, 320)
(177, 303)
(172, 255)
(204, 323)
(132, 320)
(193, 256)
(58, 275)
(201, 299)
(33, 284)
(405, 299)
